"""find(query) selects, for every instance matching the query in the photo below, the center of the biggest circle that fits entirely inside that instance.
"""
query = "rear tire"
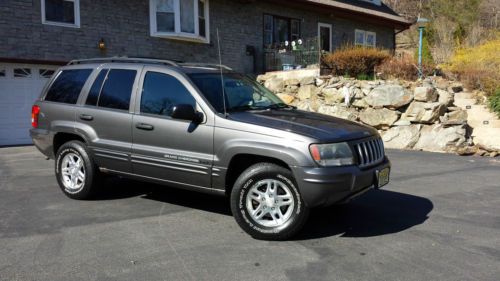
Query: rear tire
(76, 172)
(266, 202)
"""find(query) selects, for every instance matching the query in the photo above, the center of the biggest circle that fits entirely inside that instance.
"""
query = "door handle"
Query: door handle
(86, 117)
(146, 127)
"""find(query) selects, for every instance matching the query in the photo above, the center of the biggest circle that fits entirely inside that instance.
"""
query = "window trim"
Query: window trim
(178, 34)
(76, 6)
(365, 36)
(330, 27)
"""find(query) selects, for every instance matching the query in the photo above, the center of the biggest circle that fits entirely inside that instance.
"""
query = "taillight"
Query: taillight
(35, 110)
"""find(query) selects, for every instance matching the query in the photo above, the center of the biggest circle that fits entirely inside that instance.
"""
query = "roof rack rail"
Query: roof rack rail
(194, 64)
(125, 60)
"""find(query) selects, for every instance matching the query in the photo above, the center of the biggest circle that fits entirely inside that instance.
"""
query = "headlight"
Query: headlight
(334, 154)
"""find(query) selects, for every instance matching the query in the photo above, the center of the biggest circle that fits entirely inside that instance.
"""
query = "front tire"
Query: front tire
(76, 172)
(266, 202)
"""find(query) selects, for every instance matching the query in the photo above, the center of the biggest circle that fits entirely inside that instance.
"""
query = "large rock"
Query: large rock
(307, 92)
(487, 138)
(391, 96)
(264, 77)
(308, 105)
(360, 103)
(402, 137)
(421, 112)
(275, 85)
(456, 87)
(309, 80)
(286, 98)
(339, 111)
(445, 97)
(426, 94)
(292, 82)
(332, 96)
(379, 118)
(438, 138)
(457, 117)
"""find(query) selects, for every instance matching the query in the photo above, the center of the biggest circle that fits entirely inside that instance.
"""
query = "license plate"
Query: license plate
(382, 177)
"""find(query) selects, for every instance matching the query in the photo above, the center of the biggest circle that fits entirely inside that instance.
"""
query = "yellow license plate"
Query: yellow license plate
(382, 177)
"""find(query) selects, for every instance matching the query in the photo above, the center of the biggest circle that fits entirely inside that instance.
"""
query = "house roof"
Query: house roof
(364, 7)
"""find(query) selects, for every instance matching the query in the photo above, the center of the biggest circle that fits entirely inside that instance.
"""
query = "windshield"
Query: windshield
(242, 93)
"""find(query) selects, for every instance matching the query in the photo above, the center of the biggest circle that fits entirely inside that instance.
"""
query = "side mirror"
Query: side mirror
(187, 112)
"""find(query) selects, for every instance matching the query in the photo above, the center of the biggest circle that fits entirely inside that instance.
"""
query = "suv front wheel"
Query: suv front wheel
(266, 203)
(76, 173)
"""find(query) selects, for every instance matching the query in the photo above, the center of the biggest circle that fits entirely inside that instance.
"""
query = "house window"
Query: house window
(277, 30)
(45, 73)
(61, 12)
(3, 72)
(365, 38)
(180, 19)
(22, 72)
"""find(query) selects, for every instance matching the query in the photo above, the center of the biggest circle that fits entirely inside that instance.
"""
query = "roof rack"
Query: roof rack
(124, 60)
(213, 65)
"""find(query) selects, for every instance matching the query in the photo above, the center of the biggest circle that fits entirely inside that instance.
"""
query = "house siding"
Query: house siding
(124, 26)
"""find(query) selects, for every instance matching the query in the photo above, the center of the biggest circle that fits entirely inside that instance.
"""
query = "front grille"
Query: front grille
(369, 152)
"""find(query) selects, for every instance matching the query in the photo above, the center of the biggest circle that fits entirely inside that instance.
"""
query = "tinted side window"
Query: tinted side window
(67, 86)
(117, 89)
(96, 88)
(161, 92)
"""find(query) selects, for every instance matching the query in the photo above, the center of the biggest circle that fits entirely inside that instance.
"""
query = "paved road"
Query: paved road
(439, 219)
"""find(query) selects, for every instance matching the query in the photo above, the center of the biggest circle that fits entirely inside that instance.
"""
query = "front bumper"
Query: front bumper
(324, 186)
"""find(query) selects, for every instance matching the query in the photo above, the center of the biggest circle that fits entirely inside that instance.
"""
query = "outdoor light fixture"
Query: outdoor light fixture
(101, 45)
(422, 22)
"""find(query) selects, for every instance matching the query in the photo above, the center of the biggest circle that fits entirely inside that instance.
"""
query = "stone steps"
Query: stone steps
(481, 116)
(464, 103)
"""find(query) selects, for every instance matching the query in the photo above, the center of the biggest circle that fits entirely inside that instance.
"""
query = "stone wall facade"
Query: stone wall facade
(125, 28)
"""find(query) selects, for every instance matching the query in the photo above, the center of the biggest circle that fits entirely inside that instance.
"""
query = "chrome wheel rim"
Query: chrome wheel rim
(73, 172)
(270, 203)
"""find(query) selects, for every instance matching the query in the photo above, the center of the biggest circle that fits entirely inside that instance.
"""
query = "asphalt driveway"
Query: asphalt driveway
(439, 219)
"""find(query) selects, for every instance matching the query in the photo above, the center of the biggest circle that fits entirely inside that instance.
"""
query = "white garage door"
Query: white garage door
(20, 86)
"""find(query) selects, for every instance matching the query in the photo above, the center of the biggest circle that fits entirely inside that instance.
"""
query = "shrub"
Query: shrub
(477, 67)
(403, 68)
(355, 61)
(494, 101)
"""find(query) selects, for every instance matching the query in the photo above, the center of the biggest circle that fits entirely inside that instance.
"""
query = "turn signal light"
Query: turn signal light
(35, 111)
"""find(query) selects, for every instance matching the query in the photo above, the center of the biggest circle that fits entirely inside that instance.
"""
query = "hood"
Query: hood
(324, 128)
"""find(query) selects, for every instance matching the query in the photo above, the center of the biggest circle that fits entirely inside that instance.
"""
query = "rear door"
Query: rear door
(106, 112)
(175, 151)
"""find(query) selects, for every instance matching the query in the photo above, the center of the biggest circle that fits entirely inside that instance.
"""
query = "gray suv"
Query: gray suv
(204, 128)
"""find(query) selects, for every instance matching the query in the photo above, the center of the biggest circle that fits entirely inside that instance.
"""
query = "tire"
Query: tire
(266, 203)
(76, 172)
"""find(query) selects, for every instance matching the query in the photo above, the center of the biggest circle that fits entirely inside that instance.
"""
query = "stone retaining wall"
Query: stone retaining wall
(433, 115)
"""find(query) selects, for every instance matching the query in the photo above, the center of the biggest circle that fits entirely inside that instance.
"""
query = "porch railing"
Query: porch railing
(292, 55)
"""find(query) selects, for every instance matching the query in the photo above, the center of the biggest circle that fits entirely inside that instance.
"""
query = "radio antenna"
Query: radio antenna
(221, 76)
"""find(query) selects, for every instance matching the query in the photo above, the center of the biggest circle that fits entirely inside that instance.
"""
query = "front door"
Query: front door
(175, 151)
(325, 36)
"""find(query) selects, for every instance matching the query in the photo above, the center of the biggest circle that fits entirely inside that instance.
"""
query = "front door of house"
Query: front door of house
(325, 36)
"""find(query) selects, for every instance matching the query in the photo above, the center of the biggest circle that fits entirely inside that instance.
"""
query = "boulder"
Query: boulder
(438, 138)
(292, 89)
(445, 97)
(308, 105)
(275, 85)
(379, 118)
(360, 103)
(391, 96)
(307, 92)
(402, 123)
(309, 80)
(426, 94)
(319, 82)
(332, 96)
(421, 112)
(402, 137)
(264, 77)
(291, 82)
(458, 117)
(487, 138)
(339, 111)
(286, 98)
(357, 93)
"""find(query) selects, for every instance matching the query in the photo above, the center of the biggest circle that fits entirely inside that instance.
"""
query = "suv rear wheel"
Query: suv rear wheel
(267, 204)
(76, 172)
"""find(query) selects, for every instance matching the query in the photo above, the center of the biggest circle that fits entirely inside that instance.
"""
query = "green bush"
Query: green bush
(494, 101)
(355, 61)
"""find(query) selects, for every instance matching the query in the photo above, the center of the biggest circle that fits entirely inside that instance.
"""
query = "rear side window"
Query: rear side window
(117, 89)
(96, 88)
(68, 85)
(161, 92)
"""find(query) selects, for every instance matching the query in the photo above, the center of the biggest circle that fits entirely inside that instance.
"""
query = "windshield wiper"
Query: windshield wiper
(242, 108)
(280, 105)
